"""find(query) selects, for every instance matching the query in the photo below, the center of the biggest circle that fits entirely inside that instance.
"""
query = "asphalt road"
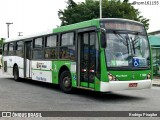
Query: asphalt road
(36, 96)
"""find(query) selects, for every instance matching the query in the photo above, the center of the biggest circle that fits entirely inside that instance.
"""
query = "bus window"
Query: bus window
(38, 52)
(11, 46)
(67, 48)
(11, 49)
(19, 45)
(19, 48)
(5, 49)
(51, 41)
(38, 42)
(51, 50)
(67, 39)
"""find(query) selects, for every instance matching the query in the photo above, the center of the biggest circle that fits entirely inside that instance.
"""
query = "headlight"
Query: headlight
(149, 76)
(111, 77)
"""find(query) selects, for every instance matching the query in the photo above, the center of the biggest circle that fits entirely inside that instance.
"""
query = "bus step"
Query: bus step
(85, 88)
(27, 78)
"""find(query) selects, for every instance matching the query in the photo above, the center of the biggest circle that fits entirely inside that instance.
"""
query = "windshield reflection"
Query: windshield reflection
(127, 50)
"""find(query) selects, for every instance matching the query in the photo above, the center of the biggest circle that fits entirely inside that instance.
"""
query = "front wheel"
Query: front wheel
(16, 73)
(66, 82)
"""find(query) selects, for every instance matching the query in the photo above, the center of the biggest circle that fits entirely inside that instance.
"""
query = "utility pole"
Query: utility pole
(8, 27)
(100, 8)
(20, 33)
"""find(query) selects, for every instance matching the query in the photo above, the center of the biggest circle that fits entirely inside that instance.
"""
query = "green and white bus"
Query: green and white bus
(103, 55)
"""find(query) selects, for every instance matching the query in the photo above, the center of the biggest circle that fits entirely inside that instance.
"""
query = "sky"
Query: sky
(35, 16)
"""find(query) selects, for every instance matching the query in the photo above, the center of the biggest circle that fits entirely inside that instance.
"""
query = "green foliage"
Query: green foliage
(78, 12)
(1, 42)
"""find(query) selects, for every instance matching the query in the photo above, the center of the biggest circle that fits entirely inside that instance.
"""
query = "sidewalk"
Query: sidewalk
(156, 82)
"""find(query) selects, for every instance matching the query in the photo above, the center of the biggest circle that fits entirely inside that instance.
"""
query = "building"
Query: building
(155, 33)
(155, 45)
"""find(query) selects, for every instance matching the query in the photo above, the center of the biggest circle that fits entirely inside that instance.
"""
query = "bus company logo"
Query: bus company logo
(39, 64)
(6, 114)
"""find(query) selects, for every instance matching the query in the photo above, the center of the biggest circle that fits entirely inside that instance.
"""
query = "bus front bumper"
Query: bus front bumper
(125, 85)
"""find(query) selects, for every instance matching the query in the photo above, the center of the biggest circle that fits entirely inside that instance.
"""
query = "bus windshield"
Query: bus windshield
(127, 49)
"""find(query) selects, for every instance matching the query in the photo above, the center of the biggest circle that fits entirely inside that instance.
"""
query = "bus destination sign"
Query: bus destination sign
(124, 26)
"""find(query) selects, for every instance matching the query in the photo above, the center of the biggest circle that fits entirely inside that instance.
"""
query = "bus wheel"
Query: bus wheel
(66, 82)
(16, 73)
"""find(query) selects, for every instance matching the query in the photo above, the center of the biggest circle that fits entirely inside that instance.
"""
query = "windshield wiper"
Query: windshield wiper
(119, 35)
(134, 41)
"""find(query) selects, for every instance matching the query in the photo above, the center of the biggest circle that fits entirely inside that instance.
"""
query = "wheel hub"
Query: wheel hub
(66, 81)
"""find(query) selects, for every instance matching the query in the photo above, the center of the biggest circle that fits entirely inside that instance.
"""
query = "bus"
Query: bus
(108, 54)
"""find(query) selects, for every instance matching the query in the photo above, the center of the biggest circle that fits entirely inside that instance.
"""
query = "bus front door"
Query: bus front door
(86, 59)
(27, 58)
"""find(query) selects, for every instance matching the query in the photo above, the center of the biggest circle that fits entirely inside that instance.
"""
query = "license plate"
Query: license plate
(133, 84)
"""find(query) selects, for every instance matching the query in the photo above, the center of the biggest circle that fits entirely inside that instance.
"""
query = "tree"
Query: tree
(78, 12)
(1, 42)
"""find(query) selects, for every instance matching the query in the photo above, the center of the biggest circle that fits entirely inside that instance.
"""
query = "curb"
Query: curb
(158, 85)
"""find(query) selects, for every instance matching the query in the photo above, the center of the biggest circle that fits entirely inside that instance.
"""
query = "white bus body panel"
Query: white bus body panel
(124, 85)
(11, 60)
(28, 68)
(42, 71)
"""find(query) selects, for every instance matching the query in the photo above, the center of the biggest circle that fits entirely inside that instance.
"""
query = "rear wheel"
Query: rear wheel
(66, 82)
(16, 73)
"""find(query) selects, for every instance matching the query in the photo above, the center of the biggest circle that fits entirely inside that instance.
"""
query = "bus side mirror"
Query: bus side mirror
(103, 38)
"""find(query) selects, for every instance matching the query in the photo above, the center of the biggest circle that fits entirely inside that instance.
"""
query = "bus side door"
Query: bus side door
(27, 59)
(86, 59)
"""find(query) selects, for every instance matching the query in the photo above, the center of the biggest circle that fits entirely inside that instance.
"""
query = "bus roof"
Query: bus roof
(93, 22)
(28, 36)
(79, 25)
(85, 24)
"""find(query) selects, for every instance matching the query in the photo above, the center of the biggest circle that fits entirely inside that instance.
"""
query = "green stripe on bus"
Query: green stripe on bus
(40, 70)
(12, 67)
(91, 85)
(84, 84)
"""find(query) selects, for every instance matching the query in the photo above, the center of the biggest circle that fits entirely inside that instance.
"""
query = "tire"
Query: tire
(16, 74)
(66, 82)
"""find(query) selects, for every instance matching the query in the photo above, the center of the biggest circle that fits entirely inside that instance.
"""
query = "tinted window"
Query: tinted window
(38, 43)
(38, 54)
(51, 41)
(67, 53)
(67, 39)
(5, 47)
(19, 45)
(51, 53)
(11, 46)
